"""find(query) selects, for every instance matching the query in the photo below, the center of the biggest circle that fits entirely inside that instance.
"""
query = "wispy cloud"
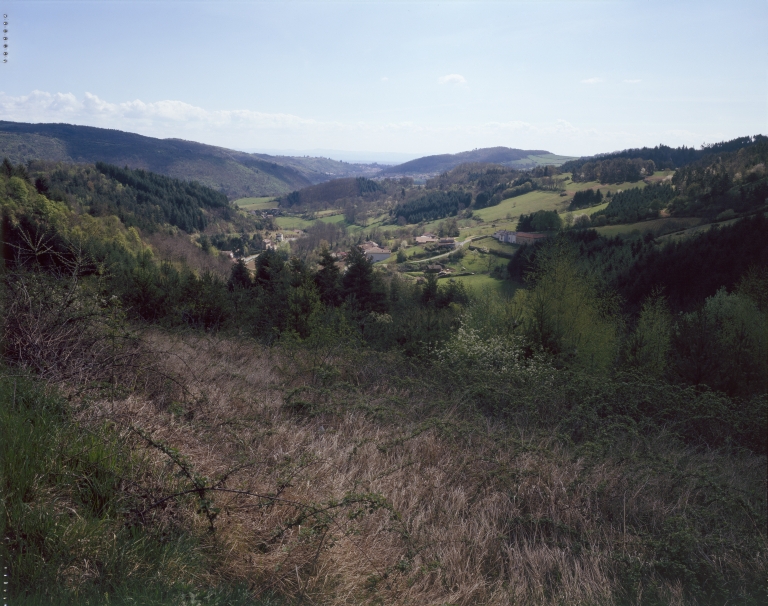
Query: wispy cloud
(384, 78)
(635, 81)
(455, 79)
(592, 81)
(66, 107)
(245, 129)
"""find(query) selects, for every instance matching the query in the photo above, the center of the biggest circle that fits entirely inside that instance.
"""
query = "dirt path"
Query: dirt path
(440, 256)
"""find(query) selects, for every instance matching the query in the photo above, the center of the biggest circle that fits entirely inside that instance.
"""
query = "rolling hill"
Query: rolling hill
(517, 158)
(234, 173)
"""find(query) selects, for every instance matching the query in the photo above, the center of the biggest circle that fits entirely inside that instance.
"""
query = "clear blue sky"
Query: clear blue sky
(572, 77)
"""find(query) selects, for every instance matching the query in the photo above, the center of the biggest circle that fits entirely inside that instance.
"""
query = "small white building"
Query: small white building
(376, 254)
(510, 237)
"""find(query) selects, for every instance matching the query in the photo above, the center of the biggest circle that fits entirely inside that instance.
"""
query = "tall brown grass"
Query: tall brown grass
(351, 477)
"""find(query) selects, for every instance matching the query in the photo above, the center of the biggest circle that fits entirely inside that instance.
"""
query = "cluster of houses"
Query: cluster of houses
(518, 237)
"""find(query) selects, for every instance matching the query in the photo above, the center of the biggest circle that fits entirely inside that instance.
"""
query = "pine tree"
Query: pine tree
(328, 279)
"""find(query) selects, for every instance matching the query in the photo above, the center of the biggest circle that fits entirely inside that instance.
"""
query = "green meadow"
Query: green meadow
(256, 203)
(292, 223)
(655, 225)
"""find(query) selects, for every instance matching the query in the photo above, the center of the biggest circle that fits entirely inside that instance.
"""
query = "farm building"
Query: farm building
(529, 238)
(503, 235)
(425, 239)
(376, 254)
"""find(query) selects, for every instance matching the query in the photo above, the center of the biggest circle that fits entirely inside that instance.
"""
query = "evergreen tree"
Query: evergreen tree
(361, 288)
(328, 279)
(240, 277)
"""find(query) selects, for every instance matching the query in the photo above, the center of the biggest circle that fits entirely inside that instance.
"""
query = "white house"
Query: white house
(510, 237)
(377, 254)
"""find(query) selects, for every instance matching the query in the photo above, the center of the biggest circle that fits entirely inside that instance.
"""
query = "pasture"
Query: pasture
(292, 223)
(666, 224)
(523, 205)
(493, 244)
(256, 203)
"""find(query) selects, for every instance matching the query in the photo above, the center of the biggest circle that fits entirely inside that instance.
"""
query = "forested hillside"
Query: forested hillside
(235, 173)
(736, 181)
(635, 204)
(663, 156)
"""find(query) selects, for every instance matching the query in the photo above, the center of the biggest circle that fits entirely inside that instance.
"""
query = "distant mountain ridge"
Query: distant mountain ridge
(234, 173)
(506, 156)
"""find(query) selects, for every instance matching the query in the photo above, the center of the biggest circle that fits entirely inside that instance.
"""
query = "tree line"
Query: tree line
(665, 157)
(636, 204)
(434, 205)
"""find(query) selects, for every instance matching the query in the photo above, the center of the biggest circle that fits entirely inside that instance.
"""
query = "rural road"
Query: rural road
(440, 256)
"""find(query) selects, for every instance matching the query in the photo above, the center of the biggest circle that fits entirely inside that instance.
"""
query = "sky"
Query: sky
(409, 78)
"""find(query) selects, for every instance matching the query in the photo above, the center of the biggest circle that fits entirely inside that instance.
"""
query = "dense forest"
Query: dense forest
(313, 431)
(635, 204)
(735, 182)
(665, 157)
(434, 205)
(541, 220)
(614, 170)
(139, 198)
(585, 198)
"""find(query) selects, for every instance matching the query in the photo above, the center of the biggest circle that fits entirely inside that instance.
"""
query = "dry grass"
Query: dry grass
(477, 512)
(181, 250)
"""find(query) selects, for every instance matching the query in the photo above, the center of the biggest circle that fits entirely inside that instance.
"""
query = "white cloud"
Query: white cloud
(633, 81)
(248, 129)
(40, 106)
(591, 80)
(384, 78)
(455, 79)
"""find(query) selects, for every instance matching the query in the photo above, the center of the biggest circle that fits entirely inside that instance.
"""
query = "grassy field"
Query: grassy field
(589, 211)
(335, 218)
(525, 204)
(502, 216)
(644, 226)
(484, 283)
(548, 200)
(292, 223)
(493, 244)
(256, 203)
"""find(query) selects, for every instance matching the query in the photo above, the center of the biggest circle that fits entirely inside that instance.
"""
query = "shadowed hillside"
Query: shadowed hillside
(235, 173)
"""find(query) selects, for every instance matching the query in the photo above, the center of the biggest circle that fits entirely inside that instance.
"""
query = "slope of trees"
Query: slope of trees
(541, 220)
(585, 199)
(636, 204)
(434, 205)
(736, 181)
(238, 174)
(614, 170)
(139, 198)
(665, 157)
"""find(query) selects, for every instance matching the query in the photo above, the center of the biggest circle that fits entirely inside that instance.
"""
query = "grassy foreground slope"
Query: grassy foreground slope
(295, 435)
